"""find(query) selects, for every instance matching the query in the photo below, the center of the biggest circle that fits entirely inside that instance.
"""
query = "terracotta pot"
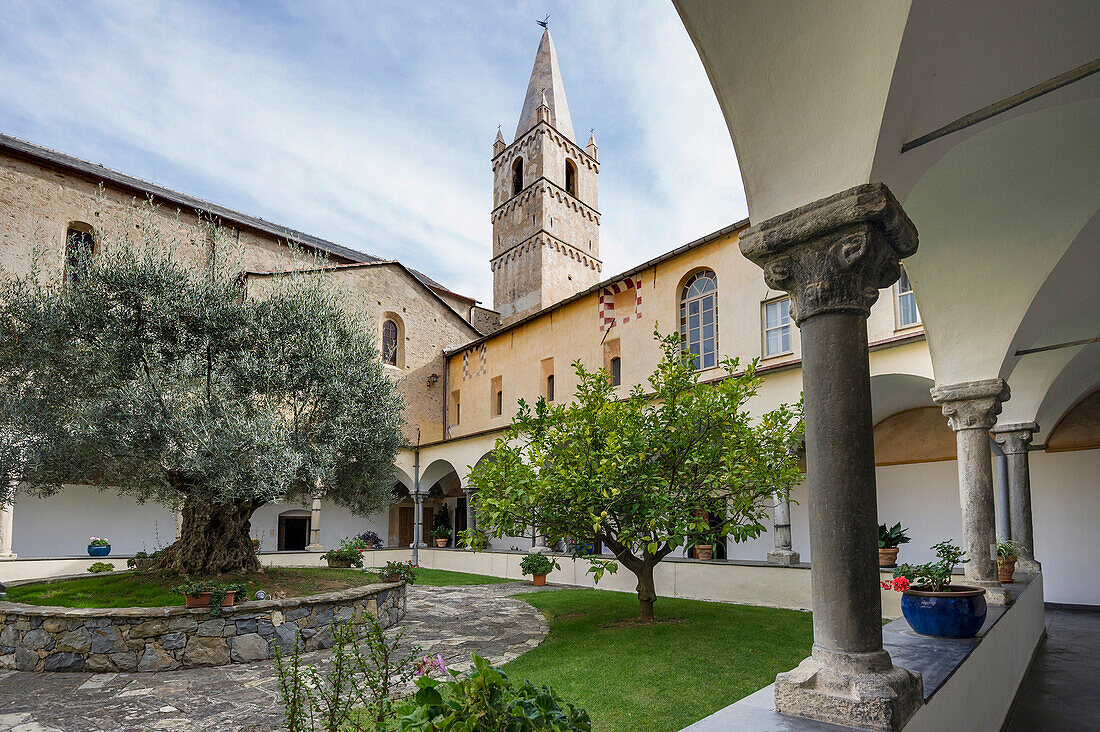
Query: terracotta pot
(441, 542)
(1005, 567)
(704, 551)
(339, 563)
(203, 600)
(888, 557)
(540, 580)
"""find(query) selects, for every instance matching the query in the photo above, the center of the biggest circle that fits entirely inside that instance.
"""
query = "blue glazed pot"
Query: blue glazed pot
(957, 612)
(99, 551)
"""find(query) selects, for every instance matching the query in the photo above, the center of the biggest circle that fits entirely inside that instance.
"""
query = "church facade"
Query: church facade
(462, 367)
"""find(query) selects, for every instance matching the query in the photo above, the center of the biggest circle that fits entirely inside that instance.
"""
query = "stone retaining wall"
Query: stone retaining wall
(39, 638)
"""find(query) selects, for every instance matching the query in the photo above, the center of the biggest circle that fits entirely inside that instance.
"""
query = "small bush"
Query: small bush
(486, 697)
(370, 539)
(537, 564)
(398, 572)
(101, 567)
(350, 551)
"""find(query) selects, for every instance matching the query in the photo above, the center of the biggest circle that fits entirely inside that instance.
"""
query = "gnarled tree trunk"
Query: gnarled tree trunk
(214, 539)
(647, 592)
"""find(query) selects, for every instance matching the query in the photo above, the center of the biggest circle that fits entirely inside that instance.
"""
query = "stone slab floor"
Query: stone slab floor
(1060, 691)
(452, 621)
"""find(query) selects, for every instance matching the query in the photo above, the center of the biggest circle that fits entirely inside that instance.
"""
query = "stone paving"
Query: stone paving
(452, 621)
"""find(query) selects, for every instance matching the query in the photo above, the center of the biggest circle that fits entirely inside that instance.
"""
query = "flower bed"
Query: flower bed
(36, 638)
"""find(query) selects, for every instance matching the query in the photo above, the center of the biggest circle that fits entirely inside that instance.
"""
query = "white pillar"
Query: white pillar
(7, 514)
(315, 526)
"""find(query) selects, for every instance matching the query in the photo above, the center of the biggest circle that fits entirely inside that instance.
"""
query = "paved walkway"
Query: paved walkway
(1059, 692)
(452, 621)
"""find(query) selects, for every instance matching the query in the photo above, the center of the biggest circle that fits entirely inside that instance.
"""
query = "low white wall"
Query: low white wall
(978, 696)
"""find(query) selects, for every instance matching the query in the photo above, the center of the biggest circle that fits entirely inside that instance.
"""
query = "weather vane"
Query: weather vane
(545, 22)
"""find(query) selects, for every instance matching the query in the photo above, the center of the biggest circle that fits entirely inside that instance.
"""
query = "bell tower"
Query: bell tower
(546, 226)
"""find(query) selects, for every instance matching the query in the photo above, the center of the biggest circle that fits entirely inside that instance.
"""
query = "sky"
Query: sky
(371, 123)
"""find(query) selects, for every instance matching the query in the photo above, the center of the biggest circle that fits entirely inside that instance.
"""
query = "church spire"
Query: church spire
(546, 83)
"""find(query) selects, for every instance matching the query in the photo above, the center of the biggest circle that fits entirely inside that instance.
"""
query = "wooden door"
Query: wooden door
(404, 526)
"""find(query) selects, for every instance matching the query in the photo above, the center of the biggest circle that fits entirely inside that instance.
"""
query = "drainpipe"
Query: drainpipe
(1004, 521)
(418, 504)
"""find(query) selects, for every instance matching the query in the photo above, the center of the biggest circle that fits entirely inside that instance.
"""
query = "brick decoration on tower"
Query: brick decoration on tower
(607, 302)
(466, 373)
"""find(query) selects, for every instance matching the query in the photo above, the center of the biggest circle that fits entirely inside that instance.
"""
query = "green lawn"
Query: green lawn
(153, 589)
(447, 578)
(662, 677)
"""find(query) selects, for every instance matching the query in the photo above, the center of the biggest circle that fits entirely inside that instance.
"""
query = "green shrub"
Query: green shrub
(101, 567)
(537, 564)
(891, 537)
(934, 576)
(350, 551)
(485, 700)
(398, 572)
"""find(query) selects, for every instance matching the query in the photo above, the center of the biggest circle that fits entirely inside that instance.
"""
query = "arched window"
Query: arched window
(389, 342)
(699, 318)
(570, 178)
(79, 248)
(517, 176)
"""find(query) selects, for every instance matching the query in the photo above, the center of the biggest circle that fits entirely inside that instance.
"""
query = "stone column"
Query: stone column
(971, 408)
(1014, 440)
(833, 256)
(471, 516)
(315, 526)
(781, 520)
(7, 515)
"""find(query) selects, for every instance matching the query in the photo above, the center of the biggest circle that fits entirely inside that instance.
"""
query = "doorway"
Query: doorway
(293, 533)
(404, 526)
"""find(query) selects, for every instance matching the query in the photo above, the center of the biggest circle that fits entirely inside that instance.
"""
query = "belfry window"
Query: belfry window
(699, 318)
(570, 178)
(79, 248)
(517, 176)
(389, 343)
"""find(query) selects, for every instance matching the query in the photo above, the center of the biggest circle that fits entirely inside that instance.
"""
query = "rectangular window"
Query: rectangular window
(548, 379)
(497, 393)
(907, 302)
(616, 371)
(777, 327)
(612, 362)
(456, 406)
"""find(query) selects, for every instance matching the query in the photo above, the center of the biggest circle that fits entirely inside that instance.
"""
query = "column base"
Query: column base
(1030, 566)
(9, 555)
(783, 557)
(875, 699)
(540, 549)
(995, 592)
(315, 548)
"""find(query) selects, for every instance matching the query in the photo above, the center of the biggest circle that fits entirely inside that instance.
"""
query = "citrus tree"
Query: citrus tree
(677, 464)
(159, 376)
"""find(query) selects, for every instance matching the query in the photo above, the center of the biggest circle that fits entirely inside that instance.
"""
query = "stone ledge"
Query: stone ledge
(44, 638)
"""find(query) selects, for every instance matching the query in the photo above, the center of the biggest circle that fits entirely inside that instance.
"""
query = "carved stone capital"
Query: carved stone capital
(972, 405)
(1014, 438)
(833, 255)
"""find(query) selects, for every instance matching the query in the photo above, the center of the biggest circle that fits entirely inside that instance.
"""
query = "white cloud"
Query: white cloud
(371, 125)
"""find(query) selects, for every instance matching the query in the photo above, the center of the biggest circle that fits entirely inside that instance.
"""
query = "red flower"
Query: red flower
(901, 584)
(886, 585)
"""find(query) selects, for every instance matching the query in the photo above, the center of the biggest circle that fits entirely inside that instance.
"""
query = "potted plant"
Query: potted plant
(1006, 559)
(98, 546)
(255, 545)
(441, 534)
(890, 540)
(705, 551)
(209, 593)
(931, 604)
(370, 540)
(348, 555)
(538, 565)
(398, 572)
(142, 561)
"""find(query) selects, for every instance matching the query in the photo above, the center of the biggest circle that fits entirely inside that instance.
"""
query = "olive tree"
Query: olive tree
(160, 376)
(678, 464)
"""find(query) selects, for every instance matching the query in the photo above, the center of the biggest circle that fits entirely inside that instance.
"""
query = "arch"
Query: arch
(517, 176)
(80, 246)
(393, 340)
(1079, 428)
(917, 435)
(699, 317)
(571, 178)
